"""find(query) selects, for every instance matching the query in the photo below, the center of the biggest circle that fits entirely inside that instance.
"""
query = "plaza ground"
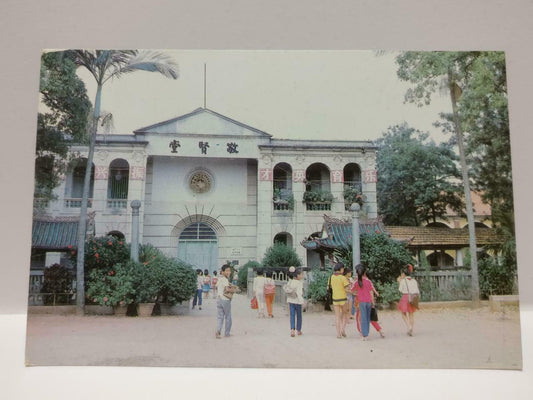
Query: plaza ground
(444, 337)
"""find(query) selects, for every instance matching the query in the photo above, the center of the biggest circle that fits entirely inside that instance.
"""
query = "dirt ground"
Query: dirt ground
(443, 338)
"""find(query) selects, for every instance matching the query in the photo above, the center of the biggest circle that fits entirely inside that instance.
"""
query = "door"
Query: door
(198, 246)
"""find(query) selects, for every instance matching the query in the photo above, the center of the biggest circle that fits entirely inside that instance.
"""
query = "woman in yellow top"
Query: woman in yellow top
(340, 286)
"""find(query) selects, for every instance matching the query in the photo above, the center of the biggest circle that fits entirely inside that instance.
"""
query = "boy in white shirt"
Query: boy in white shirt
(225, 293)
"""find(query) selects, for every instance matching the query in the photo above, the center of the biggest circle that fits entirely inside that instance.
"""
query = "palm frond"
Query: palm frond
(151, 61)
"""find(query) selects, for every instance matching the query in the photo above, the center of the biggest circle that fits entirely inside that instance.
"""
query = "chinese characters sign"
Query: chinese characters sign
(370, 176)
(265, 174)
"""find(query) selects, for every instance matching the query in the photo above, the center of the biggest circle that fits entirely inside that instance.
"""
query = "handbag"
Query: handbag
(373, 314)
(290, 291)
(254, 304)
(412, 297)
(270, 288)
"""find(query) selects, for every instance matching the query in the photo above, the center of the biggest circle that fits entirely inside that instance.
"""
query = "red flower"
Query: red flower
(73, 252)
(96, 255)
(105, 299)
(109, 243)
(121, 303)
(95, 300)
(120, 243)
(69, 246)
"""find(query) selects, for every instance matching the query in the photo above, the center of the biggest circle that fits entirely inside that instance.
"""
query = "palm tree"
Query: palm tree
(105, 65)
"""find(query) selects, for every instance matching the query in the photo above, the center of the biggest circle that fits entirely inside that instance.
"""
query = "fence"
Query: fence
(444, 285)
(281, 278)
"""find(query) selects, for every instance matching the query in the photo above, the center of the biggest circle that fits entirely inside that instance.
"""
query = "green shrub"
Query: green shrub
(243, 273)
(114, 287)
(383, 257)
(388, 292)
(57, 279)
(281, 255)
(175, 280)
(495, 279)
(318, 284)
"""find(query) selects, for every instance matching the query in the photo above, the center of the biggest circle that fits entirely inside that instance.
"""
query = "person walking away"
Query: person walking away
(375, 324)
(270, 292)
(259, 292)
(407, 285)
(225, 294)
(199, 285)
(365, 294)
(339, 285)
(296, 301)
(206, 287)
(214, 280)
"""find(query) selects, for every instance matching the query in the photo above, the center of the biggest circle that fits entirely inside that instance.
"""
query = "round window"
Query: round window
(200, 182)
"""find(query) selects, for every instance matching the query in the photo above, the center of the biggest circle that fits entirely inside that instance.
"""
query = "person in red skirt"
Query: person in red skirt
(407, 285)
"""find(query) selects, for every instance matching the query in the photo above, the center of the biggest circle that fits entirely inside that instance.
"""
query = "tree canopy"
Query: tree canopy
(64, 121)
(418, 180)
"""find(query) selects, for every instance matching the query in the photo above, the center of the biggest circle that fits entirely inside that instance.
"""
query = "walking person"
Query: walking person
(259, 292)
(365, 295)
(270, 292)
(225, 293)
(214, 281)
(339, 285)
(295, 299)
(375, 323)
(199, 285)
(206, 287)
(408, 286)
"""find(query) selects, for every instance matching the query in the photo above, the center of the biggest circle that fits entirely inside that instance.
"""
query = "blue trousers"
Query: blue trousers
(296, 314)
(365, 309)
(197, 298)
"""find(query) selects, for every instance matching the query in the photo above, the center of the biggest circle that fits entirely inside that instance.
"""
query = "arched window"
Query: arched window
(317, 194)
(282, 187)
(352, 177)
(117, 183)
(75, 181)
(116, 234)
(317, 178)
(437, 225)
(284, 238)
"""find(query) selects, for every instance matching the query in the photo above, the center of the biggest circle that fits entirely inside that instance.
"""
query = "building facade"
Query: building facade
(213, 189)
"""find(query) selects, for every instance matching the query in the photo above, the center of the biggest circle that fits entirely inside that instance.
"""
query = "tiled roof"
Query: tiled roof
(435, 237)
(54, 233)
(338, 233)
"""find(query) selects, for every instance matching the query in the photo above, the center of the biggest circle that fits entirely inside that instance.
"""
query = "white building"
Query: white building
(213, 189)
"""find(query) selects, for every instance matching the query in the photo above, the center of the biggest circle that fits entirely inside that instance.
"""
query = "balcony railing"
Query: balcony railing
(76, 203)
(318, 206)
(117, 203)
(281, 205)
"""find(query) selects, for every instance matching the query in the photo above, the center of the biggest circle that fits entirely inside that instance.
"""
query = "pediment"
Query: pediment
(203, 122)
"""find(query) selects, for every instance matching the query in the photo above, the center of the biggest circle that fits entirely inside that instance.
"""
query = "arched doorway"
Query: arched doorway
(284, 238)
(198, 246)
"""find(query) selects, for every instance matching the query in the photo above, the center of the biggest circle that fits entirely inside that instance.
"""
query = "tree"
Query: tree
(458, 73)
(64, 121)
(281, 255)
(103, 66)
(417, 178)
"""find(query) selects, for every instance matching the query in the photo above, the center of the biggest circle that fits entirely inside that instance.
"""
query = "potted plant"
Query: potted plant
(175, 282)
(145, 286)
(352, 195)
(112, 288)
(317, 199)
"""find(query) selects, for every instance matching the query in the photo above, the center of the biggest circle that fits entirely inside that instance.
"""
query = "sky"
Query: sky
(341, 95)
